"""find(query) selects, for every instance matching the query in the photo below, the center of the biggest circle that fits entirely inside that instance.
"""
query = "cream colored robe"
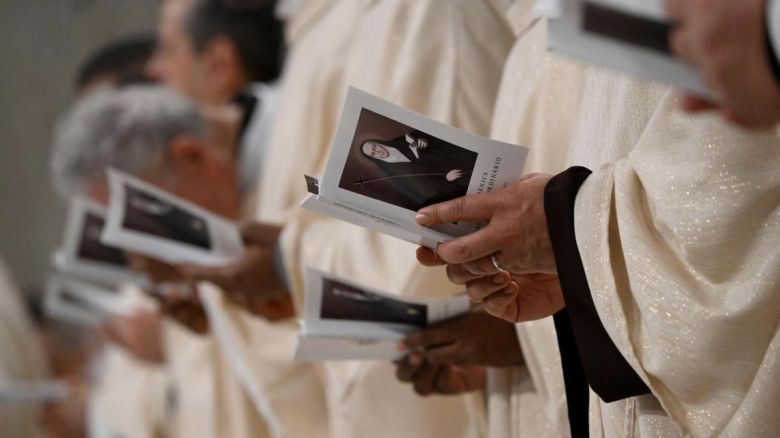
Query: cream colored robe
(262, 392)
(538, 105)
(135, 399)
(678, 236)
(128, 396)
(21, 358)
(129, 399)
(442, 58)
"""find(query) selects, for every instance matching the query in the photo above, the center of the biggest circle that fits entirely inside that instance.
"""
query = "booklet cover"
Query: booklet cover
(79, 302)
(343, 320)
(627, 35)
(82, 253)
(147, 220)
(388, 162)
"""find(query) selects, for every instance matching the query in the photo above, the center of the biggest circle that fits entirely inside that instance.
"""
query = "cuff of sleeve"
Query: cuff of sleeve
(772, 24)
(607, 371)
(279, 266)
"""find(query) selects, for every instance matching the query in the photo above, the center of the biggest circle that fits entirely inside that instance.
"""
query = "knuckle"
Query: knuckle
(461, 251)
(459, 207)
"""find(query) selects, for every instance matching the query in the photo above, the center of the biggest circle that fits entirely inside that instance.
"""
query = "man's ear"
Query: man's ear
(188, 153)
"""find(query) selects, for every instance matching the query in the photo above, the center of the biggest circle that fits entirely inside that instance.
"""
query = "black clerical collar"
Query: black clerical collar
(248, 104)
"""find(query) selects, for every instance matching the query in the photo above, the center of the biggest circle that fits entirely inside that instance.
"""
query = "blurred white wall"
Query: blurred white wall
(42, 43)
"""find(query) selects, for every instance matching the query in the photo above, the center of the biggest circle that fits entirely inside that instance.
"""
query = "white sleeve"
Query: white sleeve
(773, 25)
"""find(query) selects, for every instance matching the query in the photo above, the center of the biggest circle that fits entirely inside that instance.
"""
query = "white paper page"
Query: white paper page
(646, 8)
(318, 349)
(339, 308)
(147, 220)
(630, 36)
(388, 162)
(72, 301)
(83, 255)
(40, 391)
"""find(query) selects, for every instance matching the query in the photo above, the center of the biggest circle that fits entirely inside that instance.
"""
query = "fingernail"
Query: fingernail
(499, 278)
(422, 219)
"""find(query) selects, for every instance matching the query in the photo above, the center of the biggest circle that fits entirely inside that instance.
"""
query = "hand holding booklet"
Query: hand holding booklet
(388, 162)
(147, 220)
(80, 302)
(627, 35)
(343, 320)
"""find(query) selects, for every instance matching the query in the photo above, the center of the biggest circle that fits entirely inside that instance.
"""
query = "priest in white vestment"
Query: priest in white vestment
(537, 106)
(436, 57)
(671, 315)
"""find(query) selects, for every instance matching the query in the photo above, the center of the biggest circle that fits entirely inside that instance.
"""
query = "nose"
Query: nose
(154, 68)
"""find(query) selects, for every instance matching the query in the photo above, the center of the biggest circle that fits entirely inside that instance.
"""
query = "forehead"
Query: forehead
(174, 11)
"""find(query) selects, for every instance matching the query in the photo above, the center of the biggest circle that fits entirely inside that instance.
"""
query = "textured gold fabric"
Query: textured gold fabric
(678, 235)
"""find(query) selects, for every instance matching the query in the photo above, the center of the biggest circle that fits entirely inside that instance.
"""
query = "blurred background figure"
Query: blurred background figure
(119, 63)
(21, 359)
(219, 52)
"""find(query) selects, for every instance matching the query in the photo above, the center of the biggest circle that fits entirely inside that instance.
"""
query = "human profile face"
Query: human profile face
(375, 150)
(175, 61)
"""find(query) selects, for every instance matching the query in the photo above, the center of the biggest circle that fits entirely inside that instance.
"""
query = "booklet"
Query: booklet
(343, 320)
(36, 391)
(84, 255)
(147, 220)
(79, 302)
(627, 35)
(388, 162)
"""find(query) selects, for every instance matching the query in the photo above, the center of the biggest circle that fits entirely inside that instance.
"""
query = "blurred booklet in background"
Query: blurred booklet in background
(36, 391)
(146, 220)
(80, 302)
(343, 320)
(628, 35)
(82, 253)
(388, 162)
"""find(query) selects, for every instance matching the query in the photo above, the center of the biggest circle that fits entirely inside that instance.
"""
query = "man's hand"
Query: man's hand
(252, 281)
(140, 334)
(725, 41)
(260, 234)
(186, 309)
(473, 339)
(246, 282)
(533, 296)
(516, 230)
(431, 379)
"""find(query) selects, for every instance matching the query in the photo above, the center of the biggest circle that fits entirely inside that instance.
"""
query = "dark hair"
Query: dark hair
(125, 59)
(251, 25)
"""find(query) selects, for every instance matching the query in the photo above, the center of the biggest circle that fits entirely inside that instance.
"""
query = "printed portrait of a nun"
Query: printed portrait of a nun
(411, 170)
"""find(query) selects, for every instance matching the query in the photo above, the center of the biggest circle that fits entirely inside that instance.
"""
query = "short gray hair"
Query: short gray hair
(129, 129)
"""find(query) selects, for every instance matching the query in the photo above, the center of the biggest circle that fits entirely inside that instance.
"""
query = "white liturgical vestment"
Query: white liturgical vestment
(537, 106)
(440, 58)
(21, 358)
(677, 229)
